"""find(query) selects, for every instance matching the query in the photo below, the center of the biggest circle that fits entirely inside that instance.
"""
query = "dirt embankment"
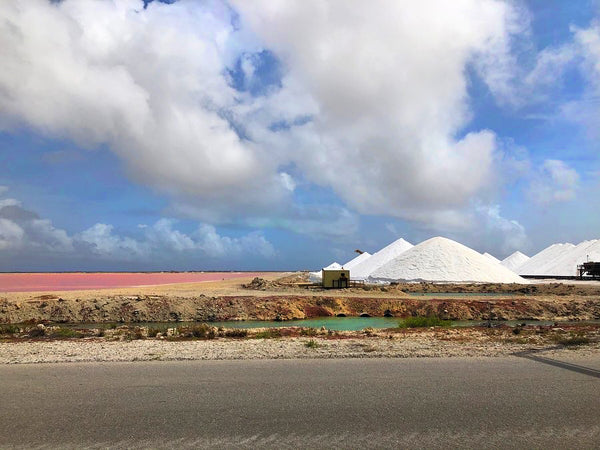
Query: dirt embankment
(164, 308)
(287, 297)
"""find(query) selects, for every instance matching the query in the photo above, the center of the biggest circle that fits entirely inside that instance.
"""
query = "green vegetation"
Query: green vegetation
(268, 334)
(311, 344)
(9, 329)
(573, 339)
(423, 322)
(65, 333)
(308, 332)
(235, 333)
(152, 332)
(201, 331)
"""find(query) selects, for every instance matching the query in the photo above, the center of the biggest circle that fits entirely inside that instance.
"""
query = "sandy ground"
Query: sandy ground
(185, 290)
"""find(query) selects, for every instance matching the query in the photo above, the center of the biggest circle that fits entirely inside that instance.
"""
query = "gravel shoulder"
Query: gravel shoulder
(422, 343)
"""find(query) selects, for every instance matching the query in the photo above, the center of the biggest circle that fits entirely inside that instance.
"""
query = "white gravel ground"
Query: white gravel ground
(87, 350)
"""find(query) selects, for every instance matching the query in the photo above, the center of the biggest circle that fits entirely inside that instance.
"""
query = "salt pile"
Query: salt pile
(356, 261)
(364, 269)
(491, 257)
(566, 264)
(316, 277)
(441, 259)
(514, 261)
(536, 265)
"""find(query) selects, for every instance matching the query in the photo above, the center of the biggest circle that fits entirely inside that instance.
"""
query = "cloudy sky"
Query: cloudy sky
(284, 134)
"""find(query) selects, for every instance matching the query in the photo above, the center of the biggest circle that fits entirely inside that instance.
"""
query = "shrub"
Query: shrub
(236, 333)
(308, 332)
(201, 331)
(422, 322)
(152, 332)
(65, 333)
(9, 329)
(311, 344)
(572, 340)
(268, 334)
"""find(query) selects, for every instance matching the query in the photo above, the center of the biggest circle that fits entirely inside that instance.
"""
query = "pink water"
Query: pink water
(29, 282)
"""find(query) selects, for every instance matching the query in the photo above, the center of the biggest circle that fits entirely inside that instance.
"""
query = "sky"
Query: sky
(285, 134)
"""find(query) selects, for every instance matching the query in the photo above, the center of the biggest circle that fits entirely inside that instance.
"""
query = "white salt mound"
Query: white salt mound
(364, 269)
(316, 277)
(514, 261)
(566, 264)
(442, 259)
(492, 257)
(356, 261)
(538, 263)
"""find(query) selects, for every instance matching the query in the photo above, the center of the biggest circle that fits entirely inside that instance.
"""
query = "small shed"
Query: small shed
(335, 278)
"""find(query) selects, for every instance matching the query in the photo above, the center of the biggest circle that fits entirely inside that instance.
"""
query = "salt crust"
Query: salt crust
(514, 261)
(364, 269)
(442, 259)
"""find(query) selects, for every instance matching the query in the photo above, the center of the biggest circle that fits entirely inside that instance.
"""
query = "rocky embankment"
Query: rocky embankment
(166, 308)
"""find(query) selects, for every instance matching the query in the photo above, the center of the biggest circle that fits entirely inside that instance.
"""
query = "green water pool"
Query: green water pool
(330, 323)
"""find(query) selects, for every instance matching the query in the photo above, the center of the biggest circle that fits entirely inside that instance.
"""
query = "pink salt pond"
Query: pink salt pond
(33, 282)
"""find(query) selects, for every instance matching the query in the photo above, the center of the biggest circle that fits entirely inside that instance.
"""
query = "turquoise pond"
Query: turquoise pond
(330, 323)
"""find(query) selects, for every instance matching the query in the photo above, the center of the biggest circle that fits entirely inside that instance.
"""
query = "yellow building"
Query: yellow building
(335, 278)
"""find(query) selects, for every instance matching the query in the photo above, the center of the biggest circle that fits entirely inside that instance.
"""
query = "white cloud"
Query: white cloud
(11, 234)
(102, 242)
(587, 109)
(507, 235)
(23, 233)
(388, 98)
(554, 182)
(375, 95)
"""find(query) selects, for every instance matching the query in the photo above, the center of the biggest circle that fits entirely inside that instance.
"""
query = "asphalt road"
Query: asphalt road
(370, 403)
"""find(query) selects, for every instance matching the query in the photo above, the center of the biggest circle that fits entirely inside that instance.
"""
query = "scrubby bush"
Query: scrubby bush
(65, 333)
(311, 344)
(152, 332)
(572, 339)
(268, 334)
(9, 329)
(422, 322)
(308, 332)
(235, 333)
(201, 331)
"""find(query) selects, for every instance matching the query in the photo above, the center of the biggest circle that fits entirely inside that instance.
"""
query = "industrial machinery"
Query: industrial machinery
(590, 269)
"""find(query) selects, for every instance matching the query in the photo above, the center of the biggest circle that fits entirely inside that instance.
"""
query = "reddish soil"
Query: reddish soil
(35, 282)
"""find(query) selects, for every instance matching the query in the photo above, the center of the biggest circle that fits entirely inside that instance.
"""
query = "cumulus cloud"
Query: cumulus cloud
(587, 109)
(388, 97)
(581, 53)
(24, 233)
(554, 182)
(370, 101)
(506, 235)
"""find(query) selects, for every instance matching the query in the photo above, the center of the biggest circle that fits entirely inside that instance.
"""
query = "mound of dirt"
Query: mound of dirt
(260, 284)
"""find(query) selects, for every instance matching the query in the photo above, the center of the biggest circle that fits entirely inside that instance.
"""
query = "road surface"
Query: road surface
(527, 401)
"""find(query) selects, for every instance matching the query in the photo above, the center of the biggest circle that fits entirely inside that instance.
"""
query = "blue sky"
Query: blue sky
(207, 135)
